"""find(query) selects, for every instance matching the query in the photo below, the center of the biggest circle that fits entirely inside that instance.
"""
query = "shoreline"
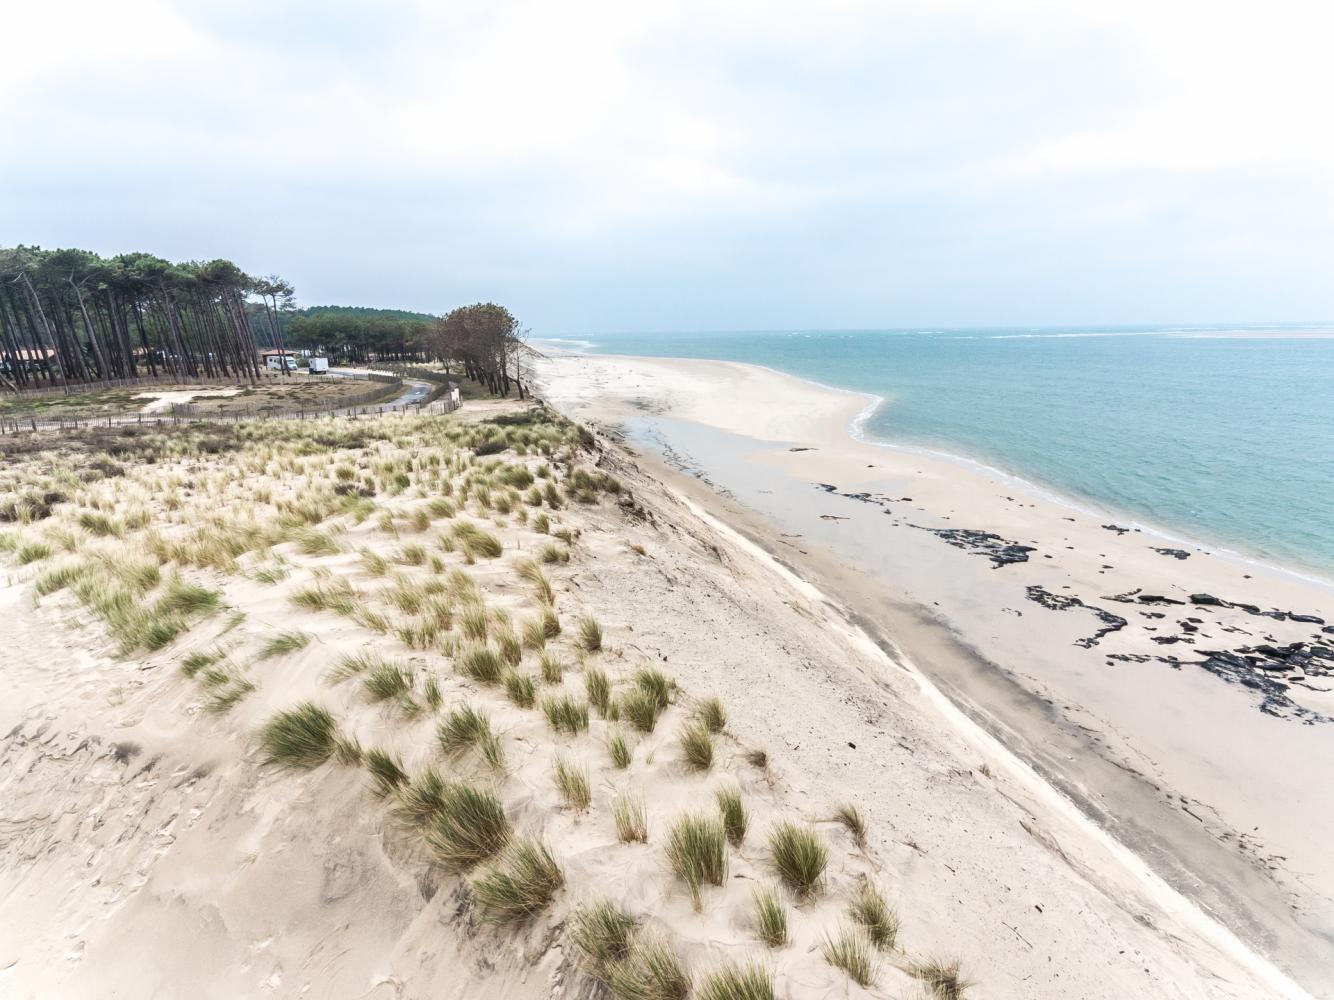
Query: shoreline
(1126, 776)
(856, 430)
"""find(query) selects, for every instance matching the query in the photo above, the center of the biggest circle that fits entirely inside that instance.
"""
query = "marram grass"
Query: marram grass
(468, 826)
(520, 884)
(697, 852)
(300, 737)
(770, 917)
(734, 981)
(852, 951)
(799, 856)
(602, 934)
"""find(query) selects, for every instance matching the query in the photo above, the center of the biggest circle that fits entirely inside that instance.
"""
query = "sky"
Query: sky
(603, 166)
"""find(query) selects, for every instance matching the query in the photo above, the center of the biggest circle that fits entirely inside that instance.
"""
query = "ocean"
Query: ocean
(1224, 435)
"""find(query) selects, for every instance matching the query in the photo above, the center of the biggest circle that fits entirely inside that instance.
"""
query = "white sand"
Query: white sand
(164, 401)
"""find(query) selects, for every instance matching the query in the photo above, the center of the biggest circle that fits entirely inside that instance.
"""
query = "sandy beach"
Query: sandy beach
(1094, 654)
(151, 844)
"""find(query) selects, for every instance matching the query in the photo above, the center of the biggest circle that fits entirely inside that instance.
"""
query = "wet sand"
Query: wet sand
(1069, 635)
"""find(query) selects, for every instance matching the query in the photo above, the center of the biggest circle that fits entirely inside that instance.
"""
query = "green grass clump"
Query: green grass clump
(770, 917)
(284, 643)
(468, 826)
(851, 950)
(421, 799)
(194, 662)
(387, 680)
(477, 544)
(655, 683)
(551, 667)
(468, 727)
(696, 747)
(602, 934)
(431, 692)
(799, 856)
(738, 982)
(640, 708)
(572, 782)
(520, 689)
(481, 664)
(733, 814)
(387, 774)
(869, 909)
(301, 737)
(651, 971)
(853, 821)
(31, 552)
(627, 812)
(510, 649)
(474, 623)
(58, 578)
(532, 574)
(697, 851)
(713, 713)
(590, 635)
(618, 748)
(520, 885)
(565, 714)
(185, 598)
(598, 688)
(555, 554)
(941, 976)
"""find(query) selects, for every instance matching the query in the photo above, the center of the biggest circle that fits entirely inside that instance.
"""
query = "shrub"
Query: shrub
(696, 747)
(770, 917)
(697, 851)
(572, 782)
(468, 827)
(299, 737)
(520, 885)
(851, 951)
(869, 909)
(627, 812)
(738, 982)
(733, 814)
(799, 856)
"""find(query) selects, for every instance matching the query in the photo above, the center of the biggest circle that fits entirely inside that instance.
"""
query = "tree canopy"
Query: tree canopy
(73, 316)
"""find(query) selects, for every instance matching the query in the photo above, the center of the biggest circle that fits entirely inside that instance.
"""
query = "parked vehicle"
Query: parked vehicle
(279, 362)
(318, 366)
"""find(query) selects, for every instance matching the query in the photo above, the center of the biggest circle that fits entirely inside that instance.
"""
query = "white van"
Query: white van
(318, 366)
(279, 362)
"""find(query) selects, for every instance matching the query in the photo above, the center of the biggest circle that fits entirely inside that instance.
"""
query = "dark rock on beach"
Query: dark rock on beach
(1064, 602)
(1174, 553)
(984, 543)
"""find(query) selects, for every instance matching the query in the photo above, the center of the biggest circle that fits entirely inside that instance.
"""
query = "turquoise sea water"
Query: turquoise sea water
(1221, 437)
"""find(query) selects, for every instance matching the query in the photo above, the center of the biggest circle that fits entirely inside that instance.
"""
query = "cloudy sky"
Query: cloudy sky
(640, 166)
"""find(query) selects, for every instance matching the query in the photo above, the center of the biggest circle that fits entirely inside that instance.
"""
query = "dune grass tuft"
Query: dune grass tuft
(852, 951)
(696, 747)
(733, 814)
(387, 680)
(565, 714)
(387, 773)
(590, 635)
(697, 851)
(552, 669)
(301, 737)
(869, 909)
(627, 812)
(520, 884)
(465, 728)
(758, 759)
(432, 693)
(520, 689)
(941, 977)
(618, 748)
(284, 643)
(655, 683)
(853, 821)
(421, 799)
(770, 917)
(474, 623)
(598, 688)
(532, 574)
(738, 982)
(481, 664)
(799, 856)
(713, 713)
(572, 782)
(468, 826)
(602, 934)
(651, 971)
(641, 709)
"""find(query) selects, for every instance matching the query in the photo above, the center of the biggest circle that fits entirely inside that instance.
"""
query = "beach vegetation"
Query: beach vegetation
(602, 934)
(770, 917)
(738, 981)
(851, 950)
(521, 884)
(627, 813)
(481, 664)
(732, 811)
(853, 821)
(598, 689)
(941, 976)
(651, 971)
(696, 747)
(799, 856)
(713, 713)
(566, 714)
(300, 737)
(641, 709)
(386, 772)
(468, 826)
(697, 852)
(619, 749)
(520, 689)
(590, 635)
(572, 782)
(869, 909)
(284, 643)
(551, 667)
